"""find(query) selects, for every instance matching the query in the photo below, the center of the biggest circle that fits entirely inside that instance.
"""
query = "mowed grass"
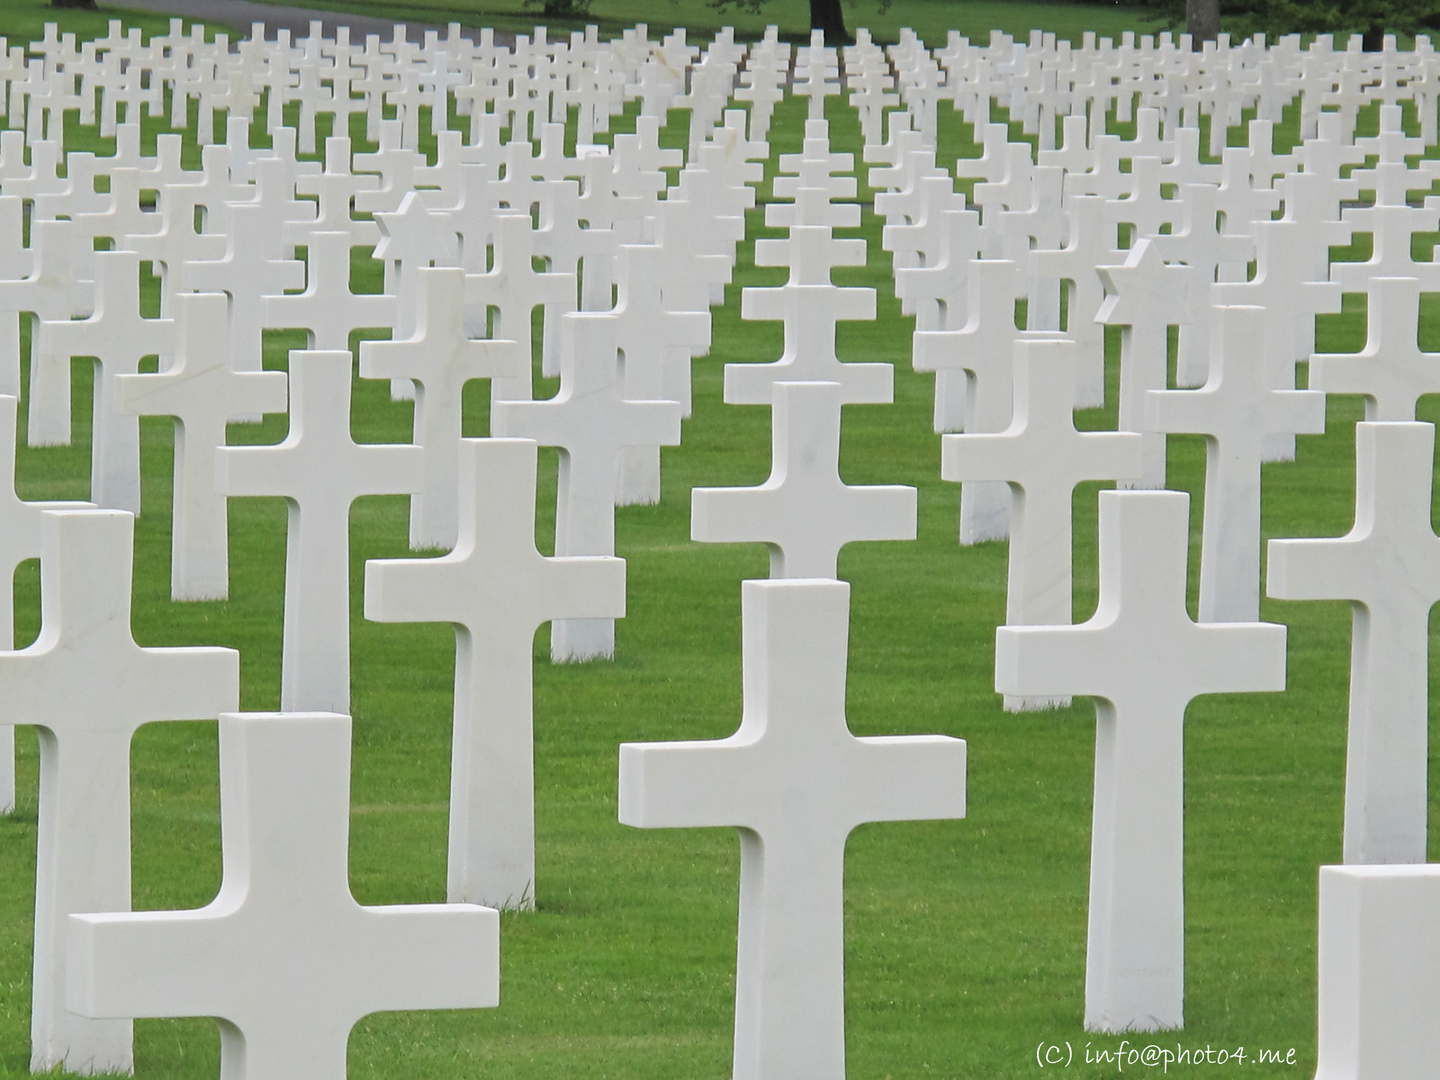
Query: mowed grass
(965, 939)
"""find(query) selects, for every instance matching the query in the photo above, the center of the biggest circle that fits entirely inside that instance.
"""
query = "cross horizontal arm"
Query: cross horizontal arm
(127, 967)
(686, 785)
(500, 597)
(829, 302)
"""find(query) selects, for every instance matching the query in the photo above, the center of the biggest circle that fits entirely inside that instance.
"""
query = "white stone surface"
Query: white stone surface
(118, 337)
(804, 513)
(497, 589)
(19, 540)
(284, 957)
(254, 266)
(87, 687)
(1144, 296)
(1043, 459)
(795, 782)
(1388, 567)
(1379, 962)
(319, 470)
(1236, 410)
(983, 349)
(810, 307)
(1288, 287)
(53, 292)
(439, 359)
(592, 423)
(1391, 371)
(1089, 242)
(657, 344)
(1142, 659)
(203, 393)
(512, 288)
(327, 310)
(1205, 253)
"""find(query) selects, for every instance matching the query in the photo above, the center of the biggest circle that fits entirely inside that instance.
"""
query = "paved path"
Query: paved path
(241, 14)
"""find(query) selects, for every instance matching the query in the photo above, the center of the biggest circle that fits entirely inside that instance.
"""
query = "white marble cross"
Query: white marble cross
(1391, 371)
(869, 97)
(935, 290)
(122, 215)
(414, 236)
(795, 782)
(638, 177)
(1144, 296)
(1235, 410)
(497, 589)
(1043, 459)
(52, 292)
(396, 164)
(203, 393)
(251, 269)
(1207, 253)
(984, 350)
(327, 310)
(319, 470)
(512, 288)
(88, 686)
(1040, 221)
(1090, 244)
(571, 243)
(812, 206)
(440, 359)
(696, 269)
(816, 166)
(1292, 293)
(810, 308)
(592, 423)
(1392, 232)
(1240, 201)
(19, 540)
(804, 513)
(335, 190)
(657, 343)
(1142, 660)
(816, 75)
(119, 338)
(284, 957)
(186, 209)
(1144, 207)
(1388, 567)
(763, 87)
(16, 263)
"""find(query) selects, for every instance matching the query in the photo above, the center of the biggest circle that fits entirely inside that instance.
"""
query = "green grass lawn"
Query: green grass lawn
(965, 939)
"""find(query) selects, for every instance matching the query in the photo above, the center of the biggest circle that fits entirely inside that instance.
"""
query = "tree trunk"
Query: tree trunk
(1202, 20)
(1373, 39)
(828, 16)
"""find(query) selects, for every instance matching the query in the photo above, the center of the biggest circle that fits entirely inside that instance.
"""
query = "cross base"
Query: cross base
(1018, 703)
(577, 640)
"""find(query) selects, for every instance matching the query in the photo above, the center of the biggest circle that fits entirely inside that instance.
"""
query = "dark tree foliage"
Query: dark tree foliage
(1275, 18)
(826, 15)
(560, 9)
(75, 5)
